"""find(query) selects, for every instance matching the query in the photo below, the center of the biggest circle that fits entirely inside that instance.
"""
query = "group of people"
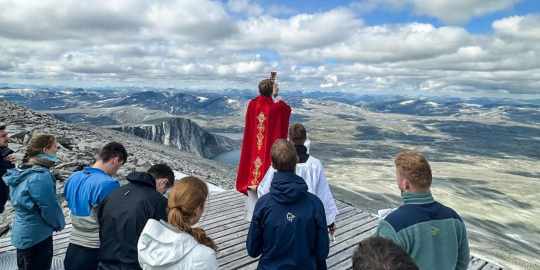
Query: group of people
(113, 227)
(294, 219)
(294, 216)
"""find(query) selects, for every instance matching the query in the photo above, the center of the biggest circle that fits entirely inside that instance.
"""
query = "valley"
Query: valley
(484, 154)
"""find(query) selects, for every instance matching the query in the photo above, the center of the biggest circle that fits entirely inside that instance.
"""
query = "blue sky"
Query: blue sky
(424, 47)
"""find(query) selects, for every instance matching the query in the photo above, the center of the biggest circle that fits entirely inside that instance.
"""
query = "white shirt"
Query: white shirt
(313, 173)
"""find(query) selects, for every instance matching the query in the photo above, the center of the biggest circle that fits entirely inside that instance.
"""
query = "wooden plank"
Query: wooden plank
(225, 233)
(225, 194)
(476, 264)
(224, 222)
(230, 225)
(346, 264)
(211, 202)
(214, 217)
(236, 260)
(251, 266)
(221, 221)
(335, 261)
(236, 256)
(491, 266)
(338, 250)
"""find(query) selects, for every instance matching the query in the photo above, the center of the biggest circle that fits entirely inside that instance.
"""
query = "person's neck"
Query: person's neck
(102, 166)
(416, 190)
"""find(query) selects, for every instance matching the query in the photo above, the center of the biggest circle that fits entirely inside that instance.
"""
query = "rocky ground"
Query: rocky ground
(79, 145)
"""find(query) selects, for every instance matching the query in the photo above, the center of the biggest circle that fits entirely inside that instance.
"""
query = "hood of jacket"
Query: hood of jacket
(14, 177)
(142, 178)
(287, 187)
(161, 244)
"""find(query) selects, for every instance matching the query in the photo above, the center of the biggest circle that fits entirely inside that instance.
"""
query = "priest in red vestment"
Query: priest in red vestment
(267, 120)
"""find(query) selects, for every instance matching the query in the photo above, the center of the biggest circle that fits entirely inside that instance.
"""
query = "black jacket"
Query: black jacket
(4, 166)
(122, 217)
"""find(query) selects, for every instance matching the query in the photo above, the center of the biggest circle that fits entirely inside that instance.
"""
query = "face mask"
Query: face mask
(50, 157)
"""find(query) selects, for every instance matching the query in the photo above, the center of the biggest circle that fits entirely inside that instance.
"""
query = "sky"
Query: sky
(409, 47)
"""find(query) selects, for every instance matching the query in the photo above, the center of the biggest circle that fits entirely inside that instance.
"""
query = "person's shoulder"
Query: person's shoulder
(404, 217)
(102, 179)
(157, 198)
(204, 256)
(38, 173)
(446, 211)
(265, 199)
(314, 161)
(314, 199)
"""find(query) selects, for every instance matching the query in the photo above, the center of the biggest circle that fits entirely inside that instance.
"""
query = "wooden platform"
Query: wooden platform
(224, 222)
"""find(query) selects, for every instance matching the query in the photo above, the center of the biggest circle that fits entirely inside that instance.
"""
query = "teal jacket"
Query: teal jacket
(433, 234)
(37, 212)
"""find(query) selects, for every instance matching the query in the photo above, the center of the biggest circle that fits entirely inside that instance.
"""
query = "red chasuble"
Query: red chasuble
(266, 122)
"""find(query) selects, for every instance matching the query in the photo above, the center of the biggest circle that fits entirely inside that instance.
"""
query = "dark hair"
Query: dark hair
(2, 127)
(297, 134)
(266, 87)
(36, 145)
(112, 150)
(379, 253)
(162, 171)
(284, 156)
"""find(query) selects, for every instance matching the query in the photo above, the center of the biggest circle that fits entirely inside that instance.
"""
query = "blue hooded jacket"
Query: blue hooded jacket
(288, 226)
(37, 212)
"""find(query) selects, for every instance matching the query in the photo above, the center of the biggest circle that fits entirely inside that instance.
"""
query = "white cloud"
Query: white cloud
(448, 11)
(244, 6)
(202, 43)
(279, 9)
(524, 27)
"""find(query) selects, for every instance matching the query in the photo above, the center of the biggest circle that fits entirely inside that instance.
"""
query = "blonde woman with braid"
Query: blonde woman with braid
(33, 196)
(176, 244)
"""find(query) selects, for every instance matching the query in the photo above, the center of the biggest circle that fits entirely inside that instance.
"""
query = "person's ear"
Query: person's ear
(163, 182)
(297, 159)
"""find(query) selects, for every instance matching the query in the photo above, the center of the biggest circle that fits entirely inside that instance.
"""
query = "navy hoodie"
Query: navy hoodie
(288, 228)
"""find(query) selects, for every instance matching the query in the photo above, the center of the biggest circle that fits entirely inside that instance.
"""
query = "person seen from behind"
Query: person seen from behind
(33, 196)
(176, 244)
(124, 213)
(84, 191)
(433, 234)
(311, 170)
(288, 229)
(379, 253)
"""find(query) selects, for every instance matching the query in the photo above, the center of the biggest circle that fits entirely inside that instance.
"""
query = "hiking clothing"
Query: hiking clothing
(433, 234)
(288, 228)
(122, 217)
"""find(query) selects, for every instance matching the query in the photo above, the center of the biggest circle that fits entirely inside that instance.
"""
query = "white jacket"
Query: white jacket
(162, 246)
(313, 173)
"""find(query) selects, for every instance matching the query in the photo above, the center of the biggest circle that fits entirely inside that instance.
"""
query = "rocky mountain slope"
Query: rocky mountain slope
(79, 145)
(185, 135)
